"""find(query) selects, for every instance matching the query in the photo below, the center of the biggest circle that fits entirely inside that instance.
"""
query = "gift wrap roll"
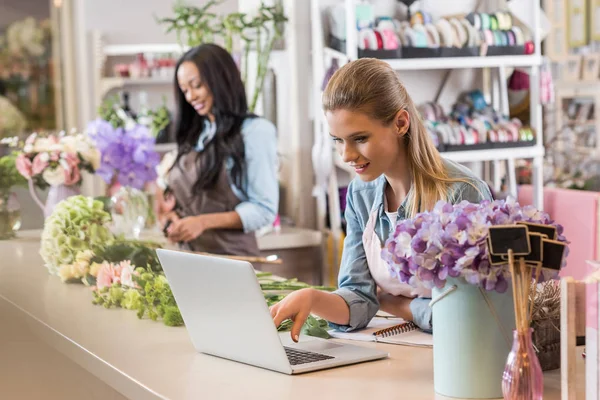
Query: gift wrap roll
(470, 349)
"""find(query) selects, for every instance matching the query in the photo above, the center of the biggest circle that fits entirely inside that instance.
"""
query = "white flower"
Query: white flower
(41, 144)
(28, 148)
(162, 169)
(45, 157)
(54, 177)
(93, 156)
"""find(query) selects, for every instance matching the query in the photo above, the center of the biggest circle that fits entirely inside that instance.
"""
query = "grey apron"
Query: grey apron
(218, 199)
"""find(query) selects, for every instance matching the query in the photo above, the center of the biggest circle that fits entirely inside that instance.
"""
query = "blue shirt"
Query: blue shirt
(260, 205)
(355, 283)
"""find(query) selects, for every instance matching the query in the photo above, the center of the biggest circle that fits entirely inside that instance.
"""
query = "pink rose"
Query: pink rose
(23, 165)
(106, 276)
(31, 139)
(54, 156)
(126, 273)
(72, 175)
(71, 158)
(40, 162)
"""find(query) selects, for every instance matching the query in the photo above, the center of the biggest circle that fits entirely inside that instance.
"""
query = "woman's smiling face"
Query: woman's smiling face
(367, 145)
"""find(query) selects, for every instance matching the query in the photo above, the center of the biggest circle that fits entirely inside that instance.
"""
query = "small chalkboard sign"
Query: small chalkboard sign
(536, 256)
(495, 260)
(548, 230)
(554, 252)
(505, 237)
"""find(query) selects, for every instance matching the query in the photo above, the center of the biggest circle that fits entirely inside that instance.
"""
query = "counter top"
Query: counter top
(143, 359)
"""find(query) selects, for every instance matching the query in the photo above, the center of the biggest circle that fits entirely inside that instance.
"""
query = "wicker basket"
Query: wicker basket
(546, 339)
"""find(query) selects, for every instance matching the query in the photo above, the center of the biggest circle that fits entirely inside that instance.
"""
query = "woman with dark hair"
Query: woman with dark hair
(223, 185)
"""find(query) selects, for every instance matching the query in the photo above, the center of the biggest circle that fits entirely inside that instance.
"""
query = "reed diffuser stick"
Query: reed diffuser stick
(513, 274)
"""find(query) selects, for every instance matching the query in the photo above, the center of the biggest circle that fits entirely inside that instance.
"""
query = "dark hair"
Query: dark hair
(221, 75)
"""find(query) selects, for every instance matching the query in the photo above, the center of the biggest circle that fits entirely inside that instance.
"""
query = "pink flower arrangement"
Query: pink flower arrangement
(115, 273)
(57, 160)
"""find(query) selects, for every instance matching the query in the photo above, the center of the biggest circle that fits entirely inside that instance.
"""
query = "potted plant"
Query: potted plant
(259, 32)
(10, 210)
(472, 302)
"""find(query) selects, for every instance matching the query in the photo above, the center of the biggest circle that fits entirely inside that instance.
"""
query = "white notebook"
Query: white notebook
(388, 330)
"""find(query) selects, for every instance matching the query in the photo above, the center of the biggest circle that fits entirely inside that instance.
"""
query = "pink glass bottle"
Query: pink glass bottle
(522, 378)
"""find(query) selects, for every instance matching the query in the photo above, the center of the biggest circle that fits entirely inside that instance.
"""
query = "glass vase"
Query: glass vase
(129, 210)
(522, 378)
(10, 215)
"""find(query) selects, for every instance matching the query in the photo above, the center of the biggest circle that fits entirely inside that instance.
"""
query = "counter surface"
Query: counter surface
(145, 359)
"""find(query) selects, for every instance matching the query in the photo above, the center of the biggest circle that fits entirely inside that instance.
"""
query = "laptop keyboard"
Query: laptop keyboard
(297, 357)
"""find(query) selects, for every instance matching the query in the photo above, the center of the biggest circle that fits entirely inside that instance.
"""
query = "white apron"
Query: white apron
(379, 269)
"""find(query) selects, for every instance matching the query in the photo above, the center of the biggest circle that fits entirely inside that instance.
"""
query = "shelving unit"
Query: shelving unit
(327, 186)
(103, 84)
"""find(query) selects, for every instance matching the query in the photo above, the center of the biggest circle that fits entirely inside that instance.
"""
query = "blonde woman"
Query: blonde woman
(377, 131)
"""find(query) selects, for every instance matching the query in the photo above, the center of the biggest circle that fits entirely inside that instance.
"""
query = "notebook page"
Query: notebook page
(366, 334)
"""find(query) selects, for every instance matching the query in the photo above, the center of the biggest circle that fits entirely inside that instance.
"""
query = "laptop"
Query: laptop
(227, 316)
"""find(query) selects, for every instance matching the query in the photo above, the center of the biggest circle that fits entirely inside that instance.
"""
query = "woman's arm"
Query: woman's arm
(355, 302)
(260, 203)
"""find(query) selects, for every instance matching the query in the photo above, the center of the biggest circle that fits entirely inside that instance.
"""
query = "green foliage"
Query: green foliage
(141, 254)
(9, 176)
(76, 224)
(109, 111)
(259, 32)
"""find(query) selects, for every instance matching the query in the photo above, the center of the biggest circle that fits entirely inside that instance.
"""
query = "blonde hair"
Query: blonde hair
(371, 86)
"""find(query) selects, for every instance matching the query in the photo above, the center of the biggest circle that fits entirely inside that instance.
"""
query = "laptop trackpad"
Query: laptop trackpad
(317, 345)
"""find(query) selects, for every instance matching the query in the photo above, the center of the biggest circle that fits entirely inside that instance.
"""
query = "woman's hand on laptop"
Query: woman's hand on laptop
(295, 306)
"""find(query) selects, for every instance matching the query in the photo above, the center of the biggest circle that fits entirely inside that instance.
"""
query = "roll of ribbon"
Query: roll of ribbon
(446, 33)
(474, 19)
(390, 40)
(520, 39)
(498, 38)
(417, 18)
(379, 39)
(493, 22)
(421, 35)
(367, 40)
(433, 36)
(461, 36)
(471, 32)
(485, 21)
(512, 40)
(386, 24)
(488, 37)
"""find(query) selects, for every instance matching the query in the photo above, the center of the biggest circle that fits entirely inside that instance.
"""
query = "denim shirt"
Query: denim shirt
(260, 205)
(355, 283)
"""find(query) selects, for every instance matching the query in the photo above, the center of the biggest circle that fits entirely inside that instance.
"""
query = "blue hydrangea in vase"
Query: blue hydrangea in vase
(445, 250)
(128, 165)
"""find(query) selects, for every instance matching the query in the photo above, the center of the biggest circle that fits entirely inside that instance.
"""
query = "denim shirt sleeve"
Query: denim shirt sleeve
(355, 283)
(260, 205)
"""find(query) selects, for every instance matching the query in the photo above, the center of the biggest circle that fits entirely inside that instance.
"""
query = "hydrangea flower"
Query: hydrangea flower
(128, 153)
(76, 225)
(450, 241)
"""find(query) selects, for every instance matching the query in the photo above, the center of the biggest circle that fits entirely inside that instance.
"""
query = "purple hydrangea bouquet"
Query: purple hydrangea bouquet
(472, 303)
(128, 164)
(128, 156)
(450, 241)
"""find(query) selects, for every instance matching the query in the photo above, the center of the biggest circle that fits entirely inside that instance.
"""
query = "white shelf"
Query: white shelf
(453, 62)
(290, 238)
(471, 156)
(114, 82)
(494, 154)
(131, 49)
(165, 147)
